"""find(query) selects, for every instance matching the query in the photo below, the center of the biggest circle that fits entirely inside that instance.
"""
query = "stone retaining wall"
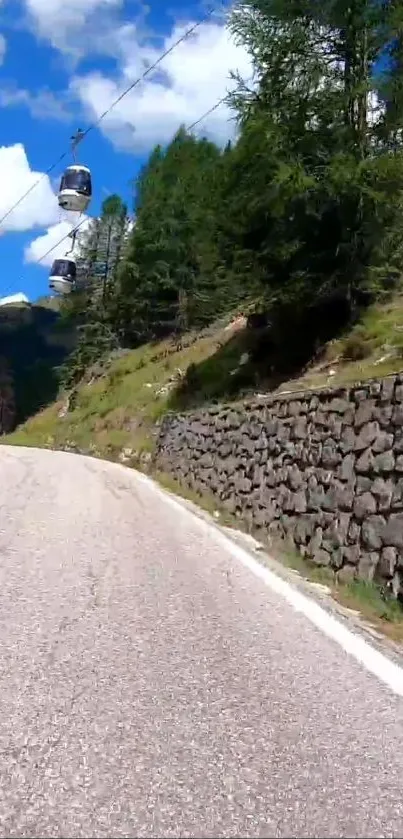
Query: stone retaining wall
(323, 468)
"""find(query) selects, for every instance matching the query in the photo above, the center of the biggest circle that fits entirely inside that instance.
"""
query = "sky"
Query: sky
(62, 64)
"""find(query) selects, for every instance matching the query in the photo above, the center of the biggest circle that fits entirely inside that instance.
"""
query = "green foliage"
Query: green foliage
(96, 340)
(303, 212)
(172, 279)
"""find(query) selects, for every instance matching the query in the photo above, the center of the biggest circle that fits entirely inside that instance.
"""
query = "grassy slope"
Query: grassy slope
(118, 407)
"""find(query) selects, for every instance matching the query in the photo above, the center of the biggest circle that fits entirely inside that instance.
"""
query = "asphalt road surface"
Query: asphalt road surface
(152, 685)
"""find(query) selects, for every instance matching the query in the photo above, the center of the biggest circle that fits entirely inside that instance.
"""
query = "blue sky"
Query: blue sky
(62, 62)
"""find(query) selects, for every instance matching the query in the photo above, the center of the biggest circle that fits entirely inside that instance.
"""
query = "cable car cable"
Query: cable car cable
(131, 87)
(189, 128)
(66, 236)
(77, 226)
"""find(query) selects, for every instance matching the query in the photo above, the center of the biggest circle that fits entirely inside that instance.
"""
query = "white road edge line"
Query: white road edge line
(375, 662)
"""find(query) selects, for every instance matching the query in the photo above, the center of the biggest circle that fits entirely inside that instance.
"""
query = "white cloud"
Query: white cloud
(3, 47)
(39, 208)
(184, 86)
(51, 241)
(71, 25)
(42, 105)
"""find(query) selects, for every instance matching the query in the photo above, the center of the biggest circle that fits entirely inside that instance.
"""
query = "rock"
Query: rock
(257, 476)
(294, 477)
(387, 562)
(255, 431)
(382, 490)
(347, 440)
(271, 478)
(294, 409)
(330, 455)
(343, 525)
(364, 413)
(207, 460)
(299, 429)
(315, 542)
(271, 427)
(384, 462)
(364, 505)
(346, 574)
(304, 528)
(348, 416)
(264, 515)
(225, 448)
(367, 565)
(300, 504)
(335, 535)
(316, 498)
(363, 484)
(359, 395)
(325, 476)
(234, 420)
(336, 558)
(372, 532)
(383, 442)
(399, 463)
(375, 388)
(352, 554)
(365, 462)
(393, 531)
(287, 501)
(354, 532)
(383, 415)
(388, 386)
(394, 586)
(261, 443)
(397, 495)
(339, 497)
(339, 406)
(367, 435)
(321, 558)
(397, 415)
(346, 468)
(243, 485)
(399, 393)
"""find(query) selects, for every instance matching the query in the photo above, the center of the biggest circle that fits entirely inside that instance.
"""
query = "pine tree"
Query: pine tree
(171, 276)
(326, 197)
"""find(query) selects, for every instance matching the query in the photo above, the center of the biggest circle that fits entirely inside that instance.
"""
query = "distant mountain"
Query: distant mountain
(34, 342)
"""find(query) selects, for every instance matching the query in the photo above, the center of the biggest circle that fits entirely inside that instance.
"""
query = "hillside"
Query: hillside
(117, 404)
(34, 341)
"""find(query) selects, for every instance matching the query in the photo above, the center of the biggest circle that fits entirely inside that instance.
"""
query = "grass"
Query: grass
(371, 349)
(119, 408)
(384, 615)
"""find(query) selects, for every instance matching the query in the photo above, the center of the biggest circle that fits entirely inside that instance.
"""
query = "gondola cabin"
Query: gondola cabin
(63, 275)
(75, 189)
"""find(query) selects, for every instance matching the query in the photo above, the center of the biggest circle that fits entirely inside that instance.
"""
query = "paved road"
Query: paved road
(151, 685)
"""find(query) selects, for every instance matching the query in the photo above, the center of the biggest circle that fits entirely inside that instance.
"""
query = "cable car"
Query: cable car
(63, 275)
(75, 189)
